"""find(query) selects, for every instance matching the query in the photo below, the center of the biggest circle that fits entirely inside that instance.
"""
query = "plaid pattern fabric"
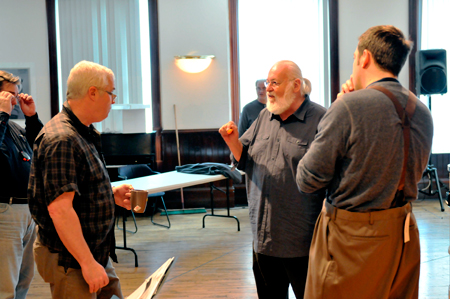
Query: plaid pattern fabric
(67, 157)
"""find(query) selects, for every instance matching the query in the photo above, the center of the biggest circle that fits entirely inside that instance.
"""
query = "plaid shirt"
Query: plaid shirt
(67, 157)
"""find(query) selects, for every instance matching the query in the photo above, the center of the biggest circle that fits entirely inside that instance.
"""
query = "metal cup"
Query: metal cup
(138, 200)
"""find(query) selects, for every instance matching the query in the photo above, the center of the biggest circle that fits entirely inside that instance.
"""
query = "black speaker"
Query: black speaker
(431, 71)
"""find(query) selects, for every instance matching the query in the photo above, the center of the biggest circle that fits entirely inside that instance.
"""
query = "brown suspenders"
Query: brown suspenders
(405, 115)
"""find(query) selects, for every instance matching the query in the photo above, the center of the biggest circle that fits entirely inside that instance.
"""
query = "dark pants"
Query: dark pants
(273, 276)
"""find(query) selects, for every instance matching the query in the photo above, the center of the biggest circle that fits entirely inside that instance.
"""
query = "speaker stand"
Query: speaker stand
(448, 193)
(431, 173)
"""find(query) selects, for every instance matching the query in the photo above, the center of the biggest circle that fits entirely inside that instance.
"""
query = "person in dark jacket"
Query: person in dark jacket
(251, 111)
(17, 228)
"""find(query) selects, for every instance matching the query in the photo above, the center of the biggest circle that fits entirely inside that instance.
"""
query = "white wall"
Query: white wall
(24, 43)
(194, 27)
(186, 27)
(356, 16)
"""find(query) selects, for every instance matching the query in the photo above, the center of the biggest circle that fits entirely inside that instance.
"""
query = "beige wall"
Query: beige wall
(195, 27)
(186, 27)
(24, 43)
(356, 16)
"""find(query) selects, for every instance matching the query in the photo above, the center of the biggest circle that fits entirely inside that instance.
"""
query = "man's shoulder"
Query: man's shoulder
(15, 126)
(58, 129)
(317, 107)
(252, 105)
(265, 113)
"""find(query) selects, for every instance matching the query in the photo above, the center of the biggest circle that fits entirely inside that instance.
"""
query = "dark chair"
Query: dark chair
(140, 170)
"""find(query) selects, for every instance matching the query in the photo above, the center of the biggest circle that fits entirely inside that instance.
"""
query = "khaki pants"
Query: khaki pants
(363, 255)
(65, 284)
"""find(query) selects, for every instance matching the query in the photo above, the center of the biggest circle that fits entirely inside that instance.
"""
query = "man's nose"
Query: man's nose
(14, 101)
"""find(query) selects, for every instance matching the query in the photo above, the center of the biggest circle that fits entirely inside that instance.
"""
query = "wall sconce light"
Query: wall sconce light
(193, 64)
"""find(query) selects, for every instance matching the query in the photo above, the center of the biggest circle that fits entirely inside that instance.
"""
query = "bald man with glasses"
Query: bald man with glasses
(282, 218)
(17, 228)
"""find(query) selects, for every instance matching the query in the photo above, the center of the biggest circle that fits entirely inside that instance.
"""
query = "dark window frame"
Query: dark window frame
(154, 58)
(234, 59)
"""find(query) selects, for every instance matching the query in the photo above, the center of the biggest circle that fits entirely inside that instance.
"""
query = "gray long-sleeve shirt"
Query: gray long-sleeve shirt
(358, 151)
(282, 218)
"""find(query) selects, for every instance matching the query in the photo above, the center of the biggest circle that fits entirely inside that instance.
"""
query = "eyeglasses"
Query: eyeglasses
(108, 92)
(111, 94)
(274, 83)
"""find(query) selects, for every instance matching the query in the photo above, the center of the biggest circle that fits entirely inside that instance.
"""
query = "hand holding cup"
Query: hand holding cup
(138, 200)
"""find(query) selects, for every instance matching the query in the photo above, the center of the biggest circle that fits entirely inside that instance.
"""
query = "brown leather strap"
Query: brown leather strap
(405, 115)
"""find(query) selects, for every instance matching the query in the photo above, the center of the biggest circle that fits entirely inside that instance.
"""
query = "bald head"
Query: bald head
(291, 70)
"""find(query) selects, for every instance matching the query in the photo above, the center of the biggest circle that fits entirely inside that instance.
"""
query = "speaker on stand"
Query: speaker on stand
(431, 78)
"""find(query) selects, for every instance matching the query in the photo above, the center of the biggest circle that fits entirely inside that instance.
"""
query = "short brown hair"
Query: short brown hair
(388, 46)
(10, 78)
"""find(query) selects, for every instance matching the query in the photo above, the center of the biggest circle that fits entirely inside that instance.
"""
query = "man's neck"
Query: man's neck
(378, 76)
(77, 107)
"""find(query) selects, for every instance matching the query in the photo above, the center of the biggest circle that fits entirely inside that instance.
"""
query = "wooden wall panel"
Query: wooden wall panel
(199, 146)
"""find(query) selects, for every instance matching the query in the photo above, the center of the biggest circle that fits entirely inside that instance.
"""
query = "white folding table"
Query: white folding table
(175, 180)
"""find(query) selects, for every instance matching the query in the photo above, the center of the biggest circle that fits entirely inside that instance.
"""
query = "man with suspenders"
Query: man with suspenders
(370, 151)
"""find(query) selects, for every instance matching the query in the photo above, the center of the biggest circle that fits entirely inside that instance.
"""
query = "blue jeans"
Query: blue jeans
(17, 235)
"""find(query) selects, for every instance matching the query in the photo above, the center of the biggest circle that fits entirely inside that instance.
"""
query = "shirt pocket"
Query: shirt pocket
(260, 146)
(295, 149)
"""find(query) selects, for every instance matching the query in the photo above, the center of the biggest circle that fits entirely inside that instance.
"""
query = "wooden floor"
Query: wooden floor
(215, 262)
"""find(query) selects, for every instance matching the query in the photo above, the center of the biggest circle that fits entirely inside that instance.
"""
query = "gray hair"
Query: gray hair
(8, 77)
(84, 75)
(259, 80)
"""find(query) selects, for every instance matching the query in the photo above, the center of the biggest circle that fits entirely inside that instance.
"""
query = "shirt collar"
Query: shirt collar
(81, 128)
(300, 113)
(387, 79)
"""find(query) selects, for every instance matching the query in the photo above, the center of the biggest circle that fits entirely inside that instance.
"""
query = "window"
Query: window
(435, 29)
(113, 33)
(282, 30)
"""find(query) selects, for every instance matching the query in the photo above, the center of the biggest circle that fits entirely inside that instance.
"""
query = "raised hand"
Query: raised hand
(7, 102)
(27, 104)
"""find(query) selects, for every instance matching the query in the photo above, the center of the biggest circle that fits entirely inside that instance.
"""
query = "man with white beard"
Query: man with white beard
(282, 218)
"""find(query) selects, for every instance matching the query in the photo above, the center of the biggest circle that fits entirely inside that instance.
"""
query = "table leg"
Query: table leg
(227, 192)
(125, 241)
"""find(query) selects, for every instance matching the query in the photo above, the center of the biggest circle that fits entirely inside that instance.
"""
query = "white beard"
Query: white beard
(281, 104)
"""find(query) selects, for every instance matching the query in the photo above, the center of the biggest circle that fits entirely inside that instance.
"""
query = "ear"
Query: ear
(92, 92)
(365, 58)
(297, 85)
